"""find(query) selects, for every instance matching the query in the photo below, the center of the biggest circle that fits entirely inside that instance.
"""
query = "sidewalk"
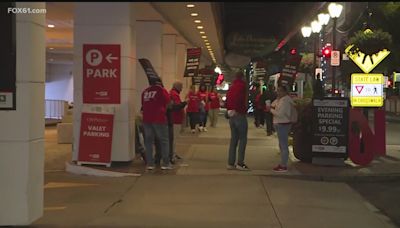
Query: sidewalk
(200, 192)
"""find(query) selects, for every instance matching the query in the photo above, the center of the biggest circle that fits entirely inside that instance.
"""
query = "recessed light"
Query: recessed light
(190, 5)
(208, 46)
(204, 37)
(194, 14)
(202, 32)
(200, 27)
(207, 43)
(51, 48)
(51, 26)
(206, 40)
(197, 21)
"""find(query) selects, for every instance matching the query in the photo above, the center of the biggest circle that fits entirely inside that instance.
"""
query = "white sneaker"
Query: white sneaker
(200, 128)
(205, 129)
(167, 167)
(230, 167)
(193, 131)
(150, 167)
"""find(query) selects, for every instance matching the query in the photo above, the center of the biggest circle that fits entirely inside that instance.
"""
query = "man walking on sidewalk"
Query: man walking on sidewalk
(237, 109)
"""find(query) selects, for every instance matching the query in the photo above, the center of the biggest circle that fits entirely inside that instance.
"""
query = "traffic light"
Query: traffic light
(326, 51)
(220, 79)
(293, 51)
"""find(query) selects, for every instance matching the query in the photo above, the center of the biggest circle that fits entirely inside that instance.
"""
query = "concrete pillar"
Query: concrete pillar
(22, 130)
(148, 46)
(108, 23)
(169, 60)
(180, 68)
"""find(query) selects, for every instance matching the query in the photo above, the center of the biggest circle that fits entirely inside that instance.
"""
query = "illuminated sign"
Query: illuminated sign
(366, 62)
(367, 90)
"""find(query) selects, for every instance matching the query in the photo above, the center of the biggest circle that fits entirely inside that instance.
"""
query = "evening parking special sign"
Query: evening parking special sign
(330, 127)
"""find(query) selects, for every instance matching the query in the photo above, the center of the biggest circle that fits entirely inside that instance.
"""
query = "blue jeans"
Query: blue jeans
(161, 132)
(283, 137)
(238, 124)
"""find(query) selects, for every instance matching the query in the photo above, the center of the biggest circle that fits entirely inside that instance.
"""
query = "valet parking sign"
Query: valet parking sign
(95, 138)
(101, 73)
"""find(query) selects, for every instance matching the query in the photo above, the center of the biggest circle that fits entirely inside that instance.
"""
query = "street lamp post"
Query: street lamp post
(306, 32)
(316, 28)
(334, 11)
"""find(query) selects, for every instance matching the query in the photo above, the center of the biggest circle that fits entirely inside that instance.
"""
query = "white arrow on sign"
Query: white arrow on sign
(109, 58)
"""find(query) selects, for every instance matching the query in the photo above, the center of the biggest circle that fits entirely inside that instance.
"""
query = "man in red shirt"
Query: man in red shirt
(204, 107)
(214, 99)
(177, 114)
(193, 108)
(237, 99)
(155, 100)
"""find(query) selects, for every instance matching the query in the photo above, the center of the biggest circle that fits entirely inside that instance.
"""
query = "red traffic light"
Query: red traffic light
(293, 51)
(326, 52)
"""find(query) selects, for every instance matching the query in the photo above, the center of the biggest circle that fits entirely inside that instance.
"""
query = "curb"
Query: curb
(82, 170)
(353, 179)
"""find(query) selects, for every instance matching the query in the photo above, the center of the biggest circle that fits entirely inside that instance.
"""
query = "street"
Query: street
(384, 195)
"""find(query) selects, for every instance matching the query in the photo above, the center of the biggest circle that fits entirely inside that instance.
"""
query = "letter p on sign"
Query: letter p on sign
(94, 57)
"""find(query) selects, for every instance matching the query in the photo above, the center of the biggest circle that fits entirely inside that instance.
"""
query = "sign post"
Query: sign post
(101, 73)
(330, 130)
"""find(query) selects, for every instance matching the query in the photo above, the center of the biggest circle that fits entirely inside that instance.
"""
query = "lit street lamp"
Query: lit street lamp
(306, 32)
(334, 11)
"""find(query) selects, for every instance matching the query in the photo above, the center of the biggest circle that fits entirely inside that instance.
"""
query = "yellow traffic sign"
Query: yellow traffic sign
(366, 90)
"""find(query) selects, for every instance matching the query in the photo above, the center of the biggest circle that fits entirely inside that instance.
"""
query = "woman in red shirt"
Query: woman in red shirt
(214, 99)
(204, 107)
(192, 109)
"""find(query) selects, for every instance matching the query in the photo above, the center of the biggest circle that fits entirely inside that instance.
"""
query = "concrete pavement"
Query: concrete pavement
(200, 192)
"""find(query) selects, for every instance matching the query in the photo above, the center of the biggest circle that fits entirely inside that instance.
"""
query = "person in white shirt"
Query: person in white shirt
(280, 110)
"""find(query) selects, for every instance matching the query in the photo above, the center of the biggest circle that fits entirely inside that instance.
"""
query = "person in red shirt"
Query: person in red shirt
(193, 108)
(214, 99)
(204, 107)
(237, 100)
(177, 114)
(155, 100)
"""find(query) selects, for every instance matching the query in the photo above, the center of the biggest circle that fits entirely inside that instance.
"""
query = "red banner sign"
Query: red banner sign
(95, 138)
(101, 73)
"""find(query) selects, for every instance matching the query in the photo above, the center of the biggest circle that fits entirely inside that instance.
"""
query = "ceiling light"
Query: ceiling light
(207, 43)
(51, 26)
(205, 40)
(204, 37)
(208, 47)
(200, 27)
(202, 32)
(194, 14)
(190, 5)
(197, 21)
(51, 48)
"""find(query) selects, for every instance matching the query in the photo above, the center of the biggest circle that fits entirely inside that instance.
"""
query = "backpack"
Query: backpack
(293, 114)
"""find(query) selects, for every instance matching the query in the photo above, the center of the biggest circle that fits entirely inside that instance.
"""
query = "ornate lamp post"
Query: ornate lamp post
(323, 19)
(306, 32)
(316, 28)
(334, 11)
